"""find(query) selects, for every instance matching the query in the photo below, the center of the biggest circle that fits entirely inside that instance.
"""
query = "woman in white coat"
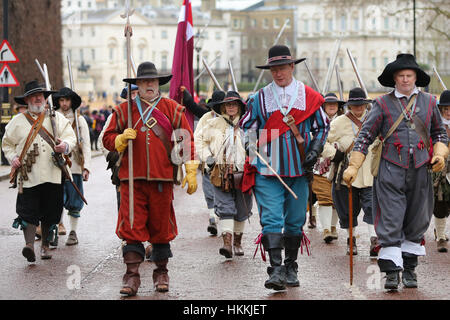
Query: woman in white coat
(219, 144)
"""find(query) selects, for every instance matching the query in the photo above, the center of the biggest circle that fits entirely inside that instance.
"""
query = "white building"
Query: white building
(95, 41)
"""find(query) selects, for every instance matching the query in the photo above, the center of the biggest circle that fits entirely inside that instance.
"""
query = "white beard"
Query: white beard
(36, 109)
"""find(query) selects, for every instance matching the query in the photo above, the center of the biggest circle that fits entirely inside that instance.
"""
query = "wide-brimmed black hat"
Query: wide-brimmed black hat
(444, 100)
(279, 55)
(216, 98)
(230, 96)
(357, 97)
(403, 61)
(147, 70)
(66, 93)
(32, 87)
(332, 98)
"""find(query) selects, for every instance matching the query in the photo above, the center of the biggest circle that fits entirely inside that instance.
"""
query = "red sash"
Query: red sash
(314, 101)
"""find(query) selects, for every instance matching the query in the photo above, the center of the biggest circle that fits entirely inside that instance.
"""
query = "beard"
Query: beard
(36, 108)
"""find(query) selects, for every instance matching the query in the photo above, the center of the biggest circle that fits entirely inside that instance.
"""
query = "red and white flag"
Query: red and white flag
(183, 58)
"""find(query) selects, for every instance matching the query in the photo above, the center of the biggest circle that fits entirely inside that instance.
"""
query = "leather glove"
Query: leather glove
(121, 142)
(191, 176)
(188, 101)
(314, 150)
(310, 159)
(356, 160)
(440, 154)
(338, 156)
(112, 158)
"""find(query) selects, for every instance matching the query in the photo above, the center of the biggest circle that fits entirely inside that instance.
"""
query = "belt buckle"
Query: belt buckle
(151, 123)
(289, 120)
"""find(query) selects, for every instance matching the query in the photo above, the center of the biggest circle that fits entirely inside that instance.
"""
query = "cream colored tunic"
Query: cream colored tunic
(85, 143)
(342, 134)
(44, 170)
(213, 138)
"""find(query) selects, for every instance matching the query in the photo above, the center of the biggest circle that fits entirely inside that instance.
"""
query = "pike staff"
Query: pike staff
(274, 43)
(233, 79)
(128, 34)
(350, 229)
(358, 76)
(337, 46)
(77, 126)
(444, 87)
(314, 82)
(211, 74)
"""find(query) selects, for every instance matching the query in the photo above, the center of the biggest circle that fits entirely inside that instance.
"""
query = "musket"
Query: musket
(59, 159)
(314, 82)
(128, 34)
(350, 229)
(211, 74)
(444, 87)
(339, 83)
(233, 79)
(77, 125)
(337, 46)
(204, 69)
(275, 173)
(133, 66)
(358, 76)
(274, 43)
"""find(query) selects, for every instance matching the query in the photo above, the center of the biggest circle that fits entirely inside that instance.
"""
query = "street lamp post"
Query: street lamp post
(5, 89)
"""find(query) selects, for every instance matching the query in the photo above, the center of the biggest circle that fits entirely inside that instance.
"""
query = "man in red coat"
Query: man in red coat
(154, 120)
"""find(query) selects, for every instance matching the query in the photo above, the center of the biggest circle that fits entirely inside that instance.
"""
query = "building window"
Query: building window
(306, 26)
(218, 35)
(374, 62)
(164, 34)
(235, 23)
(253, 23)
(374, 23)
(265, 23)
(343, 23)
(356, 24)
(386, 60)
(341, 63)
(231, 44)
(276, 23)
(317, 24)
(330, 24)
(81, 55)
(386, 23)
(93, 54)
(244, 43)
(164, 62)
(93, 31)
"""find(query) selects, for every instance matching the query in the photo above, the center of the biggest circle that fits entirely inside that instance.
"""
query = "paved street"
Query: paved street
(94, 268)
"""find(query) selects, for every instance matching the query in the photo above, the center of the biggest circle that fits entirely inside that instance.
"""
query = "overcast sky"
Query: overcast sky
(231, 4)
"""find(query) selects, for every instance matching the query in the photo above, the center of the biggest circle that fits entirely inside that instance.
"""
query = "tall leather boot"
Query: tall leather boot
(45, 243)
(392, 273)
(131, 280)
(291, 245)
(409, 277)
(29, 234)
(273, 244)
(161, 276)
(227, 249)
(237, 244)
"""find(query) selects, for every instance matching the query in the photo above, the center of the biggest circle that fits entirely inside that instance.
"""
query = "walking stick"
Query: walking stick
(128, 34)
(350, 216)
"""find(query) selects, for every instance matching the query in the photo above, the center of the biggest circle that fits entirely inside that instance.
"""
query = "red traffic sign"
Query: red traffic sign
(7, 78)
(7, 55)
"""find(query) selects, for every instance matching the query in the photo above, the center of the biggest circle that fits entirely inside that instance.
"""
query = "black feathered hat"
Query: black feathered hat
(217, 97)
(31, 88)
(357, 97)
(444, 100)
(66, 93)
(332, 98)
(231, 96)
(147, 70)
(279, 55)
(403, 61)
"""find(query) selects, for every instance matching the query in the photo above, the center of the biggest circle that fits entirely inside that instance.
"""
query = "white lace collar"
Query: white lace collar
(285, 95)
